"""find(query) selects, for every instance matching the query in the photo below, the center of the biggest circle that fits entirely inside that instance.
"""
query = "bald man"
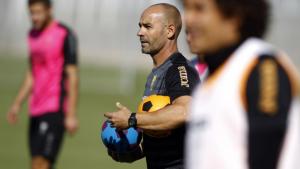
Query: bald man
(172, 75)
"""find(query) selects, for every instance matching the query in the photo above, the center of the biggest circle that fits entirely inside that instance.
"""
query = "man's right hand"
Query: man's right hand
(12, 114)
(126, 157)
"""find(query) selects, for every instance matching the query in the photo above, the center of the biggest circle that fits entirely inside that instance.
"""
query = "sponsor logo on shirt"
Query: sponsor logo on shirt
(183, 76)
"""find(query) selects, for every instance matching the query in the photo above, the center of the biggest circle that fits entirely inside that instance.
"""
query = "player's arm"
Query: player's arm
(71, 117)
(180, 82)
(267, 101)
(71, 71)
(167, 118)
(20, 98)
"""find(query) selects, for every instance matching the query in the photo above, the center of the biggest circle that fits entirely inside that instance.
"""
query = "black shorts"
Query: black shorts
(46, 135)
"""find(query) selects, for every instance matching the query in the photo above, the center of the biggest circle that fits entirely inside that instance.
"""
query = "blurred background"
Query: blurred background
(112, 69)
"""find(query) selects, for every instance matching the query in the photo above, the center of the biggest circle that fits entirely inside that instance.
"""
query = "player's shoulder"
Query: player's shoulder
(180, 64)
(267, 61)
(272, 57)
(70, 34)
(177, 58)
(181, 70)
(65, 27)
(270, 71)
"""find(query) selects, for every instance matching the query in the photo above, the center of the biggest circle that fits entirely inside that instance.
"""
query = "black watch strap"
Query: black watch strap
(132, 121)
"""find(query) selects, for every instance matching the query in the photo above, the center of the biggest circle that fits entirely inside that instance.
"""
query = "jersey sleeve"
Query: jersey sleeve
(180, 81)
(70, 48)
(268, 99)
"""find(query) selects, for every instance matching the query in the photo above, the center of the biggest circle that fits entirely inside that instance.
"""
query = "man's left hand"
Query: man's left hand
(119, 119)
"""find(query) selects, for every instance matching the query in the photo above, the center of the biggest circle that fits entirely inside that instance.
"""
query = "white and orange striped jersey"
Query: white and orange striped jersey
(246, 115)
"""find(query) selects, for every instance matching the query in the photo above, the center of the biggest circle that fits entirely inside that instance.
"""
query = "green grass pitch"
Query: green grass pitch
(98, 94)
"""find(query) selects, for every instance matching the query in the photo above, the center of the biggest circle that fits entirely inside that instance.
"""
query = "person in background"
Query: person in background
(52, 83)
(172, 75)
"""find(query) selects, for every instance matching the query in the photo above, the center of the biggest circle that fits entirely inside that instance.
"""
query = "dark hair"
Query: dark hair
(253, 15)
(47, 3)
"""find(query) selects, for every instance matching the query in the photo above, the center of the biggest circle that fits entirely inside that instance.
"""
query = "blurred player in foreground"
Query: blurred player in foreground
(51, 82)
(171, 76)
(246, 114)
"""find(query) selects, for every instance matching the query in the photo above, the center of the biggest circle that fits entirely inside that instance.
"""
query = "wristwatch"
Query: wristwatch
(132, 121)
